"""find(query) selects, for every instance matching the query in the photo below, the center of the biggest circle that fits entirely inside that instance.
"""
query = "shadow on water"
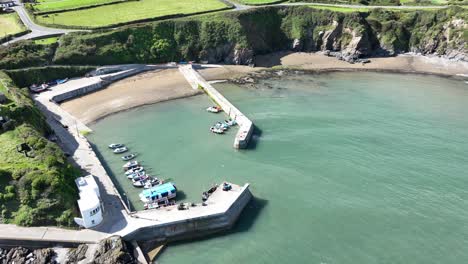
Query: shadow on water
(244, 223)
(112, 177)
(256, 135)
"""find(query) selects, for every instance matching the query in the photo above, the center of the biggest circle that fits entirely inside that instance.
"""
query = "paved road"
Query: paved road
(36, 30)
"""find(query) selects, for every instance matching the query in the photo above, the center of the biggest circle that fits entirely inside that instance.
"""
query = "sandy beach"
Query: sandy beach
(156, 86)
(320, 62)
(147, 88)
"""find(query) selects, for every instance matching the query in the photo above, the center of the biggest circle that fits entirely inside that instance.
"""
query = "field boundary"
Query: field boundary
(40, 13)
(138, 21)
(12, 36)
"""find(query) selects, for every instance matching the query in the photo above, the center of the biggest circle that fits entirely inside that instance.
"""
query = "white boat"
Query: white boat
(217, 130)
(139, 184)
(230, 122)
(223, 126)
(140, 178)
(214, 109)
(152, 182)
(135, 170)
(120, 150)
(116, 145)
(128, 157)
(136, 174)
(130, 165)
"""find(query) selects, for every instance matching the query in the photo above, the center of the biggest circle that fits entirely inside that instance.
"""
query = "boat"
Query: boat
(38, 88)
(140, 177)
(152, 182)
(217, 130)
(134, 170)
(159, 193)
(214, 109)
(116, 145)
(136, 174)
(60, 81)
(223, 126)
(230, 122)
(130, 165)
(120, 150)
(128, 157)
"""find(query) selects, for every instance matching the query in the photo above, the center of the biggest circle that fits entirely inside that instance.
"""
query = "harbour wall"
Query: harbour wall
(193, 227)
(101, 83)
(246, 126)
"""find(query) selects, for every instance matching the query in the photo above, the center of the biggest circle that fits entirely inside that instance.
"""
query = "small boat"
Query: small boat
(214, 109)
(130, 165)
(38, 89)
(223, 126)
(138, 184)
(217, 130)
(152, 182)
(128, 157)
(120, 150)
(116, 145)
(230, 122)
(140, 178)
(61, 81)
(52, 83)
(134, 170)
(152, 206)
(136, 174)
(159, 193)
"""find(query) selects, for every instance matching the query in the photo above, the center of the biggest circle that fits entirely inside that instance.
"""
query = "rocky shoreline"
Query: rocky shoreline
(112, 250)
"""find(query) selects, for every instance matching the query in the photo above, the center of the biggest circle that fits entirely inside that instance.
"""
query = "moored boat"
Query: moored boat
(214, 109)
(217, 130)
(135, 170)
(128, 157)
(116, 145)
(120, 150)
(130, 165)
(159, 193)
(136, 174)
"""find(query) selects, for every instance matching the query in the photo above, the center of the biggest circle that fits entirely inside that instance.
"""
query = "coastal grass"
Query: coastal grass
(130, 11)
(36, 187)
(46, 41)
(56, 5)
(10, 24)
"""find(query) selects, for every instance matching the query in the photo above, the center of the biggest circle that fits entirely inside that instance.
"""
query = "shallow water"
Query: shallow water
(348, 168)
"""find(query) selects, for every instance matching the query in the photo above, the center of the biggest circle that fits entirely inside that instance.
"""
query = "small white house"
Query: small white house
(89, 202)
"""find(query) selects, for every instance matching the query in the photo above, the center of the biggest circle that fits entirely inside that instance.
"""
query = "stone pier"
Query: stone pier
(246, 126)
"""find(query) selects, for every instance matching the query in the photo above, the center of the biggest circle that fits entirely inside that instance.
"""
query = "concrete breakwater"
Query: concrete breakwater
(219, 213)
(246, 126)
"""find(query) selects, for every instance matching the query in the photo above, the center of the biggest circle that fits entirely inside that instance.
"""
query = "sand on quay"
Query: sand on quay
(142, 89)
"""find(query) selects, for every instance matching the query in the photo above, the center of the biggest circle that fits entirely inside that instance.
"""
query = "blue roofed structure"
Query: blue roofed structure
(159, 193)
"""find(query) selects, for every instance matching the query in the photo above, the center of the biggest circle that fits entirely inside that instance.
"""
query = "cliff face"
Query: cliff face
(236, 37)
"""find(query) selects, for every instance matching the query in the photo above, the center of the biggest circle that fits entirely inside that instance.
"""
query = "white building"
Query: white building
(89, 202)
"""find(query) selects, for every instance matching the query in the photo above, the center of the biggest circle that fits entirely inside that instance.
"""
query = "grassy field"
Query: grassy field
(54, 5)
(46, 41)
(130, 11)
(10, 24)
(260, 2)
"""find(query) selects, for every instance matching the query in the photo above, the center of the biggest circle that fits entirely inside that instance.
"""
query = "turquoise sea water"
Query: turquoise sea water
(347, 168)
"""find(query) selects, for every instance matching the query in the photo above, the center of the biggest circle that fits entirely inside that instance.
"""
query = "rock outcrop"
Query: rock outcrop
(113, 250)
(20, 255)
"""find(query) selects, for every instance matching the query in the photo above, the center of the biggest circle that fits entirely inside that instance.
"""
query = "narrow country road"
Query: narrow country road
(36, 30)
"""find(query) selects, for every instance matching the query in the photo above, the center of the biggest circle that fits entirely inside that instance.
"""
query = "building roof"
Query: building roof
(87, 183)
(88, 201)
(6, 1)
